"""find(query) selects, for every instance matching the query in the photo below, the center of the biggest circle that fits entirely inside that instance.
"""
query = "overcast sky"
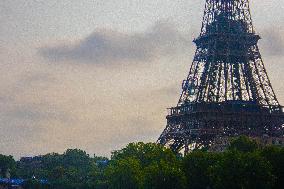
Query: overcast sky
(98, 74)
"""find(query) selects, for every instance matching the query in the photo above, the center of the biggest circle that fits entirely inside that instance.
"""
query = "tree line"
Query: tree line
(245, 164)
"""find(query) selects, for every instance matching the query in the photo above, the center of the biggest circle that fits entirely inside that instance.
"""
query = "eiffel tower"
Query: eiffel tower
(227, 92)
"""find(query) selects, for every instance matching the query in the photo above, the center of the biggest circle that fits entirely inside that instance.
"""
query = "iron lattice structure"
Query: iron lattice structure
(227, 92)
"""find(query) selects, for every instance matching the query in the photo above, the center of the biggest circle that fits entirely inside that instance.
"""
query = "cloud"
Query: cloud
(108, 46)
(162, 40)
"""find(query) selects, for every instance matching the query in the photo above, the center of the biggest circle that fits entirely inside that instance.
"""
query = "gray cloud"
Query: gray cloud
(163, 39)
(108, 46)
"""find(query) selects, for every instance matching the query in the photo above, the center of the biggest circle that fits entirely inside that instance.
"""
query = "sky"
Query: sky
(99, 74)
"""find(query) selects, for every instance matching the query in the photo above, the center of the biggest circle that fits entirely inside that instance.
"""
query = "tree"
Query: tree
(163, 175)
(145, 153)
(7, 164)
(76, 158)
(196, 167)
(275, 155)
(243, 144)
(146, 166)
(125, 174)
(68, 170)
(35, 184)
(97, 177)
(73, 170)
(237, 170)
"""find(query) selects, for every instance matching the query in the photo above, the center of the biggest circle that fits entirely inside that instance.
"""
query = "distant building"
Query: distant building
(102, 162)
(277, 141)
(20, 183)
(11, 183)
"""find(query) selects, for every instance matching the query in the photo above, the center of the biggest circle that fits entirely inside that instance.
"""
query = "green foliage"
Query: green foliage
(97, 177)
(238, 170)
(275, 155)
(153, 167)
(196, 167)
(34, 184)
(145, 153)
(125, 174)
(68, 170)
(243, 144)
(164, 175)
(7, 164)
